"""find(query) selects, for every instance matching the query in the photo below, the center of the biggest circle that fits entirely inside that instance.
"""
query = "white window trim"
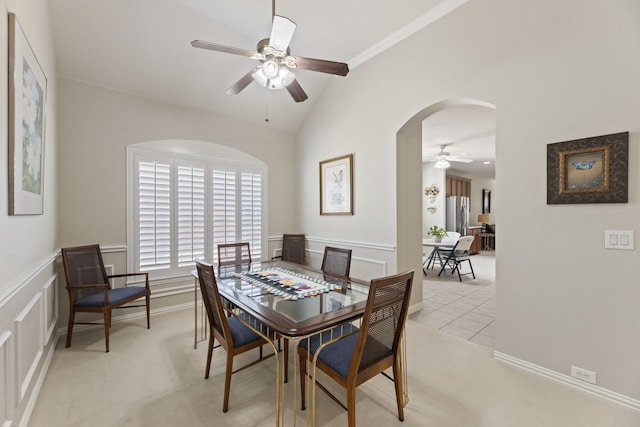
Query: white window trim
(133, 153)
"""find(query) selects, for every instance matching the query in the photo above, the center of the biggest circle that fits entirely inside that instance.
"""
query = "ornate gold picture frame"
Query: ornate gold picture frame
(588, 170)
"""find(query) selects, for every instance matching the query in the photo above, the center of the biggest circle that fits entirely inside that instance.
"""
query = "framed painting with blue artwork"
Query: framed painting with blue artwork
(588, 170)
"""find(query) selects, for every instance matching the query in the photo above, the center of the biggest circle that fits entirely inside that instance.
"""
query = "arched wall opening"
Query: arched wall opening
(409, 185)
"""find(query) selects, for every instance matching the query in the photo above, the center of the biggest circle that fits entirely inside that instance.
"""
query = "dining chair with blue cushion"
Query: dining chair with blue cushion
(352, 356)
(232, 333)
(90, 291)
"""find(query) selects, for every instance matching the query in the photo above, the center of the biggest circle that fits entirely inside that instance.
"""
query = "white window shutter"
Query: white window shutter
(190, 215)
(251, 212)
(154, 211)
(223, 198)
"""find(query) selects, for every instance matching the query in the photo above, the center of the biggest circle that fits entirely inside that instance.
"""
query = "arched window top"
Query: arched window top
(197, 148)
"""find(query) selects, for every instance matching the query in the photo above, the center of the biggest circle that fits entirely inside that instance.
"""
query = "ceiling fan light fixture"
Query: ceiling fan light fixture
(441, 164)
(281, 79)
(270, 69)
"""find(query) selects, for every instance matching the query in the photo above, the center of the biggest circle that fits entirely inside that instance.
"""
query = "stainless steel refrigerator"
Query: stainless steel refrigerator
(457, 214)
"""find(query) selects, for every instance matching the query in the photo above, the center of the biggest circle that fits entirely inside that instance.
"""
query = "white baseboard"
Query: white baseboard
(569, 381)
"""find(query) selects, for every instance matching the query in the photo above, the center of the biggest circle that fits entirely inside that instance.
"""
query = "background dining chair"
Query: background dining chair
(90, 291)
(336, 261)
(361, 354)
(457, 255)
(233, 335)
(293, 248)
(234, 253)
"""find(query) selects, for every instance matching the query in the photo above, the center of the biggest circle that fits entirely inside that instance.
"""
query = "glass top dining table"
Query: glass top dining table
(294, 300)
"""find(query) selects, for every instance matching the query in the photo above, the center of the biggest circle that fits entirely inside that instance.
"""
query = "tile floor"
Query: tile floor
(465, 309)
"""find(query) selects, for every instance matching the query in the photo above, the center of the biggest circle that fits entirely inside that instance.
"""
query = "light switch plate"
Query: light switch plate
(619, 239)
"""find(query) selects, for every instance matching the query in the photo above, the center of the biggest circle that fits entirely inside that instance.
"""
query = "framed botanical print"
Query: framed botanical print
(27, 100)
(336, 186)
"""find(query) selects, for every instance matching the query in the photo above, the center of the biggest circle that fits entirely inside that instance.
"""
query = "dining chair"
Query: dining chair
(455, 256)
(234, 253)
(293, 248)
(357, 355)
(232, 334)
(336, 261)
(90, 291)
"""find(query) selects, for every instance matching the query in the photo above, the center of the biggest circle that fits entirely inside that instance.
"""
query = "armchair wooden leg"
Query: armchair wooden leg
(148, 298)
(397, 379)
(107, 325)
(351, 405)
(209, 354)
(72, 315)
(227, 381)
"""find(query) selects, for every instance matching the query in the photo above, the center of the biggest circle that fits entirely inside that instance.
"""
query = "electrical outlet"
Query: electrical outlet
(583, 374)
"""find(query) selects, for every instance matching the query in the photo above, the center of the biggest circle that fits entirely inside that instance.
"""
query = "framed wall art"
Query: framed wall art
(589, 170)
(336, 186)
(486, 201)
(27, 99)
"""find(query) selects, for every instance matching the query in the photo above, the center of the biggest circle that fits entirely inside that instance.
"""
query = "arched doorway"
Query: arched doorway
(409, 185)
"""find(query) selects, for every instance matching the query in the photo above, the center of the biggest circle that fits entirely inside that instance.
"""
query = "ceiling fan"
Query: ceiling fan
(276, 63)
(443, 158)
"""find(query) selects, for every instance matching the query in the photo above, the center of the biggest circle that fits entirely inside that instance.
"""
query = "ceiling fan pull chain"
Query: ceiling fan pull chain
(266, 118)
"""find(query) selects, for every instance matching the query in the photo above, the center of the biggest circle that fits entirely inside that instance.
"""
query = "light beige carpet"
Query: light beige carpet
(155, 378)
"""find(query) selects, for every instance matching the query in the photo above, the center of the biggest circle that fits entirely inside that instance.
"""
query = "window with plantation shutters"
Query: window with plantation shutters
(191, 215)
(251, 211)
(154, 215)
(184, 207)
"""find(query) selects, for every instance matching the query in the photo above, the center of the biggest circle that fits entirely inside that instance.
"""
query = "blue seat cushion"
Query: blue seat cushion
(241, 333)
(116, 296)
(336, 355)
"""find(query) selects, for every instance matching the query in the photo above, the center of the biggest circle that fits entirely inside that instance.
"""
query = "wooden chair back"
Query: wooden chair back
(293, 248)
(336, 261)
(234, 253)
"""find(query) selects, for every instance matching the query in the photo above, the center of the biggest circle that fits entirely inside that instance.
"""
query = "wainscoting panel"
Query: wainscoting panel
(50, 308)
(29, 341)
(6, 403)
(28, 336)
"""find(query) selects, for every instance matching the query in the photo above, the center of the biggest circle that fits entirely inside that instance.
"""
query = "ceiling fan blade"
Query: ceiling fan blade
(241, 84)
(459, 159)
(281, 33)
(296, 91)
(227, 49)
(320, 65)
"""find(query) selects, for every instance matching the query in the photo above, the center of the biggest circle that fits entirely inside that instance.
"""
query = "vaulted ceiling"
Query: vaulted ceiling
(143, 47)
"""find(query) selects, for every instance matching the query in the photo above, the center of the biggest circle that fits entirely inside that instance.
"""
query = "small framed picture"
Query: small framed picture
(588, 170)
(336, 186)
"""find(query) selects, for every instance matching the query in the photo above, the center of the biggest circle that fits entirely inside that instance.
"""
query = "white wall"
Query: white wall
(28, 281)
(431, 175)
(96, 126)
(555, 71)
(31, 236)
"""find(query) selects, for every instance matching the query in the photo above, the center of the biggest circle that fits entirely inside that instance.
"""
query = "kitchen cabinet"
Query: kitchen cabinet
(458, 186)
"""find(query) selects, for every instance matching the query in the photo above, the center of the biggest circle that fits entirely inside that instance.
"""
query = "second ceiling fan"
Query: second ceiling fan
(443, 158)
(276, 63)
